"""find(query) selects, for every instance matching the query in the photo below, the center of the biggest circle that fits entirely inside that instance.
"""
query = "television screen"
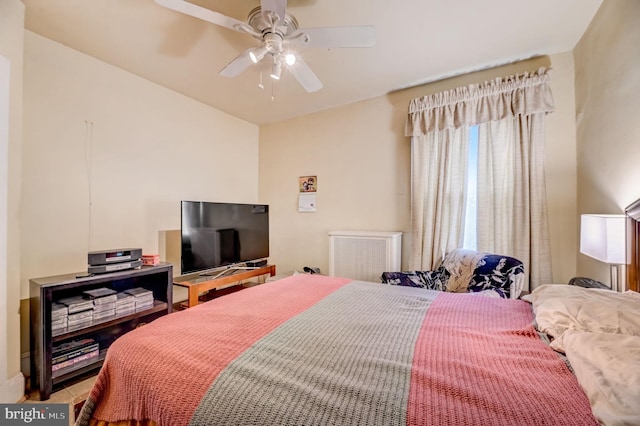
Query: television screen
(222, 234)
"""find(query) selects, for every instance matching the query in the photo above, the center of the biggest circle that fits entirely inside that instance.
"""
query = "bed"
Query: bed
(317, 350)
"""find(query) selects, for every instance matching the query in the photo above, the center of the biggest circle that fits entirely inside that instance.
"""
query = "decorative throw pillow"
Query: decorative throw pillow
(498, 273)
(461, 263)
(432, 280)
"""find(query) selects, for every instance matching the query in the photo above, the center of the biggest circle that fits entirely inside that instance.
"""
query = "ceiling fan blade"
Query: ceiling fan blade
(238, 65)
(205, 14)
(277, 6)
(351, 36)
(305, 76)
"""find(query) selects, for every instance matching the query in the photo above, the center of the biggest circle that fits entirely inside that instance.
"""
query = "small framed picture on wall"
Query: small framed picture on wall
(308, 183)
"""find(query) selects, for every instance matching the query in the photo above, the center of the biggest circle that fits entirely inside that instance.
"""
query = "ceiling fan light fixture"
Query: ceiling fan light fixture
(290, 58)
(257, 54)
(276, 71)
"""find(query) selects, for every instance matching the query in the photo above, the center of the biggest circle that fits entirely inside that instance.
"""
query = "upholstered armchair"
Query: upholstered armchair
(464, 271)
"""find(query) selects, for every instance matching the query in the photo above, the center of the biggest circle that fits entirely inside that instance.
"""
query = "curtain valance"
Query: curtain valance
(522, 94)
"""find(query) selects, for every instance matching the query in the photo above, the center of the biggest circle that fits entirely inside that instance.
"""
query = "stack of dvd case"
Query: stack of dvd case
(59, 318)
(143, 297)
(104, 302)
(125, 304)
(71, 353)
(80, 312)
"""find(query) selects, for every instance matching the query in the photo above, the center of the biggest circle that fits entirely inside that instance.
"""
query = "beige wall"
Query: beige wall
(608, 116)
(362, 161)
(108, 156)
(560, 170)
(11, 48)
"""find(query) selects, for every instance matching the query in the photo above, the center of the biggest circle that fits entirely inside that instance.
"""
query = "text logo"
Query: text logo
(34, 414)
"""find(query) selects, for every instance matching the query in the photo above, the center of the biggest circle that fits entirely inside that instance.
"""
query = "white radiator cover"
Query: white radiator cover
(364, 255)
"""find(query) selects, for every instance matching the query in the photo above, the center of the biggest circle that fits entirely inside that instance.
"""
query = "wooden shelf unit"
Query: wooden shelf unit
(44, 291)
(201, 284)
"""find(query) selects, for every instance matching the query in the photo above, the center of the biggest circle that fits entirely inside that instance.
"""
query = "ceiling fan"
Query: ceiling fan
(279, 36)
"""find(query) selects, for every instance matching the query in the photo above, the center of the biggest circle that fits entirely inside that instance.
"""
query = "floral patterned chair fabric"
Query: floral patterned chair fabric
(431, 280)
(467, 271)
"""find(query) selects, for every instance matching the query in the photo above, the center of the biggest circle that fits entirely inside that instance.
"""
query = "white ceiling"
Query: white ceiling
(418, 41)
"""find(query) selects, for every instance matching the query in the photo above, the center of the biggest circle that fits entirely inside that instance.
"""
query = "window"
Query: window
(470, 218)
(454, 185)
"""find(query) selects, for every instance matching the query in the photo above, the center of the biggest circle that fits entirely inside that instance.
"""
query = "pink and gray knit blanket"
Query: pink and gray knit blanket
(316, 350)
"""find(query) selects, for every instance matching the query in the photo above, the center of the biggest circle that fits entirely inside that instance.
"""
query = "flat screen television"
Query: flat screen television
(215, 235)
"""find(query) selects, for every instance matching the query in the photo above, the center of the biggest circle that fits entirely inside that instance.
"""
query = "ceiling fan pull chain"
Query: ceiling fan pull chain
(273, 91)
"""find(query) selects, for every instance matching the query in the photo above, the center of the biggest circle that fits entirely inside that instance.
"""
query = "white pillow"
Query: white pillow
(607, 367)
(558, 308)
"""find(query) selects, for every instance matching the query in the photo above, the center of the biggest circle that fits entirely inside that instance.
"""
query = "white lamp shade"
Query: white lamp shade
(602, 236)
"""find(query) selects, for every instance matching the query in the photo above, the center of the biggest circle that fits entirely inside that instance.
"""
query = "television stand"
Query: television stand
(203, 284)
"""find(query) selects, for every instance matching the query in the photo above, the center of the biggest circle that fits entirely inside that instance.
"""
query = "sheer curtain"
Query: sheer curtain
(511, 194)
(438, 191)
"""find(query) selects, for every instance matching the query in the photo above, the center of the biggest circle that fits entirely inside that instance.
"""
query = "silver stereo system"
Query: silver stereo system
(104, 261)
(103, 269)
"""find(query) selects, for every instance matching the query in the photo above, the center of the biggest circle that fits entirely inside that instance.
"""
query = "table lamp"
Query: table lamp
(602, 237)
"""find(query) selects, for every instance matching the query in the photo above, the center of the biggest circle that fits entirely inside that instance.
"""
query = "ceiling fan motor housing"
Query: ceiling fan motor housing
(273, 43)
(262, 22)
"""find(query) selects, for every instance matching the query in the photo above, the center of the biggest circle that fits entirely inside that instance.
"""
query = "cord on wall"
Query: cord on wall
(88, 161)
